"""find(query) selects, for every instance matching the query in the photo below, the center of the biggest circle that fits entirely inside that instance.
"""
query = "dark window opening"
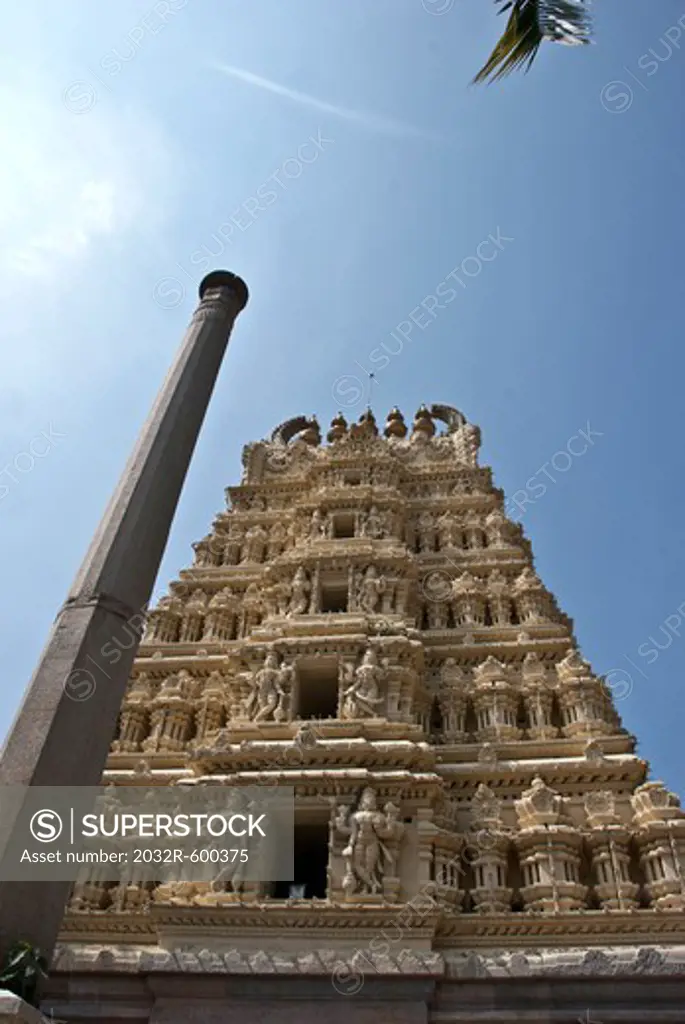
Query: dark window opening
(317, 692)
(522, 715)
(333, 597)
(470, 719)
(436, 722)
(353, 479)
(556, 718)
(310, 865)
(343, 526)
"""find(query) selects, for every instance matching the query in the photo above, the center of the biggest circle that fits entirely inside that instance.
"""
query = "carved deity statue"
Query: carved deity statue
(270, 691)
(220, 617)
(255, 544)
(374, 524)
(292, 534)
(371, 588)
(192, 622)
(281, 593)
(426, 530)
(299, 602)
(318, 524)
(448, 532)
(234, 544)
(277, 540)
(371, 852)
(360, 696)
(207, 551)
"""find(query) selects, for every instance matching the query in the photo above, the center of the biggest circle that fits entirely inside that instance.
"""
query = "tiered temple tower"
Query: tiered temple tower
(365, 624)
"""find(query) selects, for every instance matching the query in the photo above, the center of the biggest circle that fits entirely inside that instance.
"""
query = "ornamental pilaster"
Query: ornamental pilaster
(487, 847)
(474, 534)
(164, 621)
(220, 619)
(539, 698)
(210, 715)
(533, 603)
(549, 848)
(171, 715)
(660, 837)
(193, 618)
(499, 599)
(495, 701)
(585, 703)
(133, 719)
(608, 841)
(468, 600)
(453, 702)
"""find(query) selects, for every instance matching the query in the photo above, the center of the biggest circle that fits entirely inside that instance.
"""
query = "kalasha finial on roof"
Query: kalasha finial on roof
(423, 423)
(338, 428)
(395, 425)
(366, 426)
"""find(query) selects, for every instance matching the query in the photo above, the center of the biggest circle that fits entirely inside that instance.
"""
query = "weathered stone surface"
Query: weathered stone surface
(14, 1010)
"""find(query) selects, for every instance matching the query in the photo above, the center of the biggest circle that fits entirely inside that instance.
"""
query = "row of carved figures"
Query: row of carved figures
(184, 711)
(491, 704)
(463, 601)
(546, 864)
(429, 533)
(230, 615)
(381, 476)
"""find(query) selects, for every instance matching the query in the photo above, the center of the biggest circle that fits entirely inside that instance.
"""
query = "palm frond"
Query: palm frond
(530, 23)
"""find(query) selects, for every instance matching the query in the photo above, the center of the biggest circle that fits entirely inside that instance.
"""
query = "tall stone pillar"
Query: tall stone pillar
(64, 727)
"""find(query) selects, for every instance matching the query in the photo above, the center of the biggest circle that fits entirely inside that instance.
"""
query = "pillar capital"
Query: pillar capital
(225, 279)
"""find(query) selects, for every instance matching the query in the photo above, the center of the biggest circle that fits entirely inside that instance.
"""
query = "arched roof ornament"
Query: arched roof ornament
(447, 414)
(286, 431)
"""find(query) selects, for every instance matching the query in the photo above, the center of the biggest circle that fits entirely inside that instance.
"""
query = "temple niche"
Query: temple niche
(364, 624)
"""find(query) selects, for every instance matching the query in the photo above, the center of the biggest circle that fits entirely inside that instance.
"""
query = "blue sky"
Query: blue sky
(140, 139)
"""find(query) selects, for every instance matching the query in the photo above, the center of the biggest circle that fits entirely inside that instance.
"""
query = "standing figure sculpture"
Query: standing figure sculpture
(361, 696)
(371, 588)
(234, 543)
(373, 525)
(368, 855)
(277, 540)
(268, 697)
(318, 524)
(299, 602)
(427, 531)
(255, 544)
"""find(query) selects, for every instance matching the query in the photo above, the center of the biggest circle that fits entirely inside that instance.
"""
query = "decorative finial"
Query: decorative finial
(423, 424)
(338, 428)
(395, 425)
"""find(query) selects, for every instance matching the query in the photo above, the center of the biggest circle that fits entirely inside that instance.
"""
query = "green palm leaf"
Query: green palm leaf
(530, 23)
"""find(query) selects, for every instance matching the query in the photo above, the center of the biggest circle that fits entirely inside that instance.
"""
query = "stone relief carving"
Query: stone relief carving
(371, 589)
(301, 589)
(361, 696)
(371, 851)
(270, 691)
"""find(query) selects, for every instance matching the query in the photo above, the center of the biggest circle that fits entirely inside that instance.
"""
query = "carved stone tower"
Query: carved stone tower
(365, 625)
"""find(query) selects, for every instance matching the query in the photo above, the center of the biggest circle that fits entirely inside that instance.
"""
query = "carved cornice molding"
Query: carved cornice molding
(73, 959)
(580, 962)
(595, 927)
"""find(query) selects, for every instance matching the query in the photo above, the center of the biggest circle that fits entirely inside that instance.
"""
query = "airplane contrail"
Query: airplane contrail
(380, 124)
